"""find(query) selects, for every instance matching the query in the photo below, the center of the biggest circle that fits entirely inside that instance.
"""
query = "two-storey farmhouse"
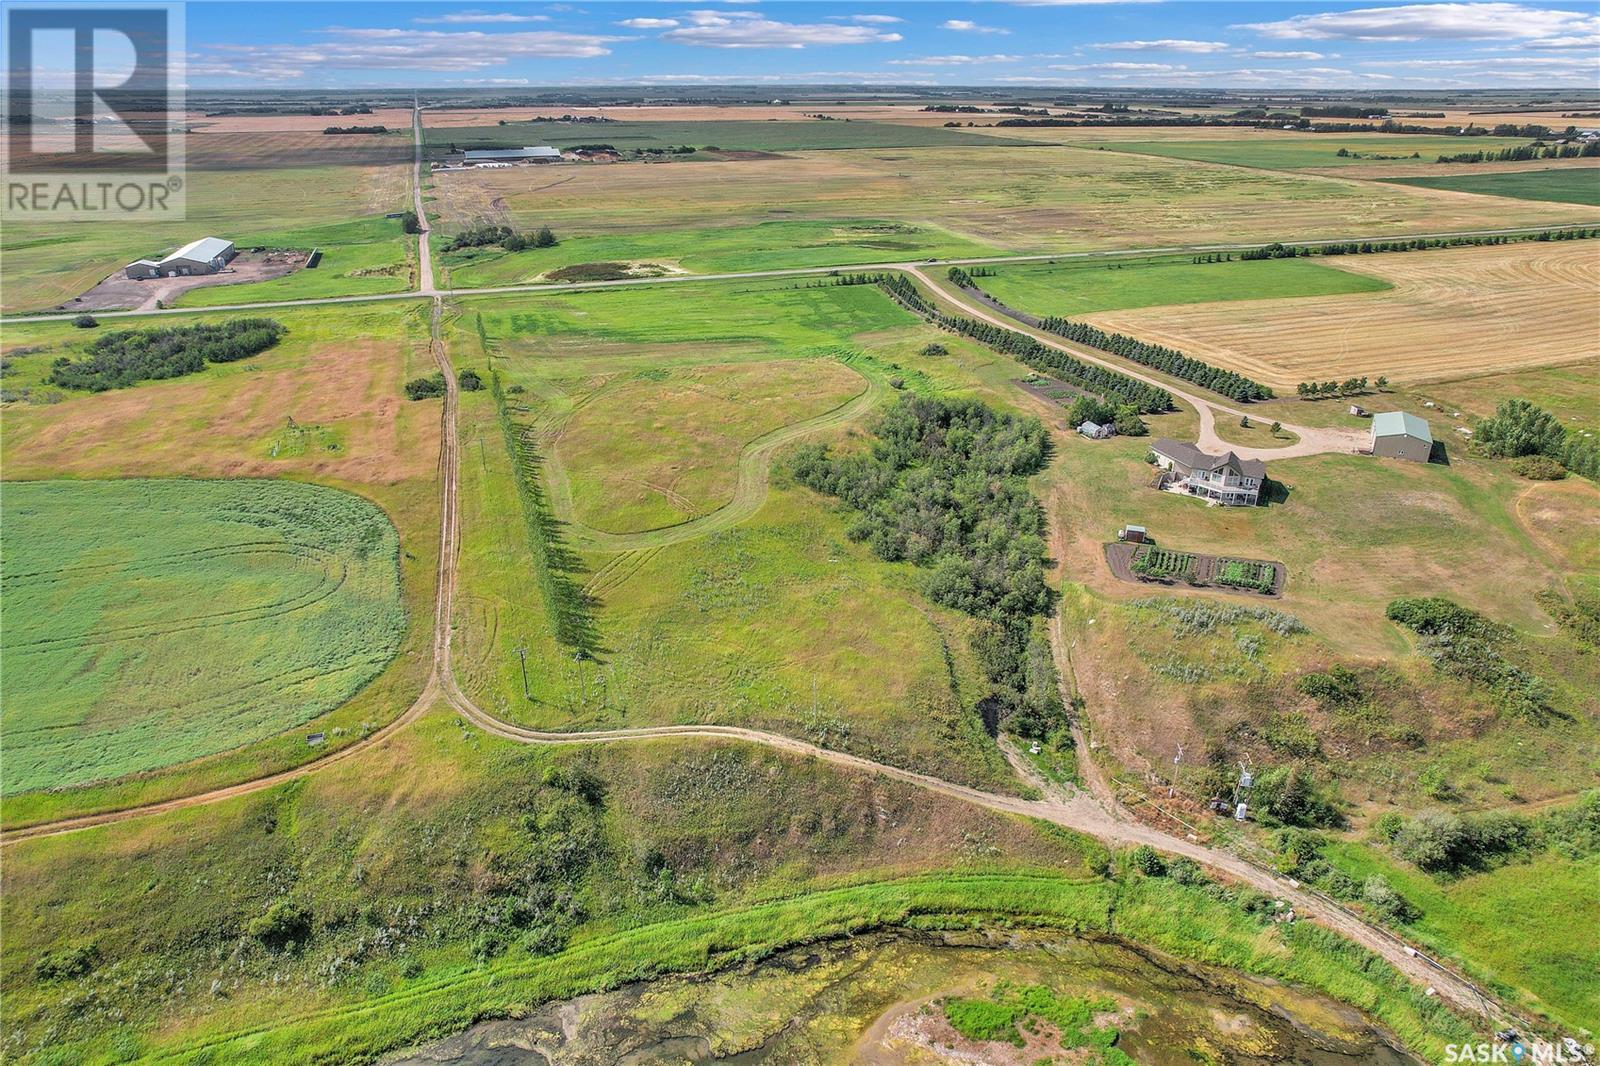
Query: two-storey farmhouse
(1225, 479)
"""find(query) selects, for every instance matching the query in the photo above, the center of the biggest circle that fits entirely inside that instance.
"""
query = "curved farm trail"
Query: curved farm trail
(1314, 440)
(750, 491)
(1075, 810)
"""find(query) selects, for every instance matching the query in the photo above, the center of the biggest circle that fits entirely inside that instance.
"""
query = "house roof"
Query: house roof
(1195, 459)
(1399, 423)
(203, 250)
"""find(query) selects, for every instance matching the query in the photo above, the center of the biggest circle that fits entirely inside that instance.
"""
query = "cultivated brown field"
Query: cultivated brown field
(1451, 313)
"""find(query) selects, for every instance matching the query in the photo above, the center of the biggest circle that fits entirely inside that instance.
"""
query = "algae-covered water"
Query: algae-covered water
(877, 1000)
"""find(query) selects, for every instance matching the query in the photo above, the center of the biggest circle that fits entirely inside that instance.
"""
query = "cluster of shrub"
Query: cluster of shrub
(1317, 390)
(1275, 120)
(117, 360)
(1277, 250)
(1116, 388)
(1464, 644)
(1169, 360)
(1299, 854)
(409, 223)
(433, 385)
(356, 129)
(1524, 152)
(1520, 429)
(1443, 842)
(1124, 416)
(944, 486)
(506, 237)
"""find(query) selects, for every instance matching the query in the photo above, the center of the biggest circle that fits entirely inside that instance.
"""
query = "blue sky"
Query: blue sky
(1017, 43)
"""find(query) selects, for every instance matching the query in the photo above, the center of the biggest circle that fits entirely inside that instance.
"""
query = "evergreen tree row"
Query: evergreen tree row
(1524, 152)
(1227, 383)
(1117, 388)
(1413, 244)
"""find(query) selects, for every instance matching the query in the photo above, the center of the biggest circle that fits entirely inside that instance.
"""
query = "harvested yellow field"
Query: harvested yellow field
(1451, 313)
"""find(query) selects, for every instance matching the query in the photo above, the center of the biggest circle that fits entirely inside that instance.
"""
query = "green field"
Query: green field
(662, 445)
(1568, 185)
(1283, 150)
(739, 136)
(714, 619)
(1523, 926)
(1074, 288)
(721, 249)
(819, 208)
(151, 622)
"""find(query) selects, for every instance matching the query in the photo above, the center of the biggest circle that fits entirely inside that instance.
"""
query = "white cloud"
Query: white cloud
(1446, 21)
(1148, 67)
(479, 17)
(968, 26)
(1287, 55)
(649, 24)
(380, 49)
(868, 20)
(952, 61)
(1591, 41)
(749, 29)
(1166, 45)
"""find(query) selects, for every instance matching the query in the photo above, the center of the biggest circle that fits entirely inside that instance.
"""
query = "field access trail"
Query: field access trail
(1075, 810)
(750, 491)
(1313, 440)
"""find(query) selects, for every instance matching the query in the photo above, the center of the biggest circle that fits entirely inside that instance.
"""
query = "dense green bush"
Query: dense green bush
(944, 487)
(117, 360)
(86, 321)
(1338, 687)
(426, 388)
(1519, 428)
(1539, 468)
(1464, 644)
(284, 924)
(469, 380)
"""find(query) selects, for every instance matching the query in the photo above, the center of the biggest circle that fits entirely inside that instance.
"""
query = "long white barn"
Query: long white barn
(204, 256)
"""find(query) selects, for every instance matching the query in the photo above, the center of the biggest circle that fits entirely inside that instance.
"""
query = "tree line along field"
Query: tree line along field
(1285, 150)
(223, 612)
(1575, 185)
(903, 204)
(1444, 313)
(715, 619)
(335, 378)
(267, 190)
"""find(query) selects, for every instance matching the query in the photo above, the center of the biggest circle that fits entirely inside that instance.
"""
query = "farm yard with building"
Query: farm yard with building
(570, 560)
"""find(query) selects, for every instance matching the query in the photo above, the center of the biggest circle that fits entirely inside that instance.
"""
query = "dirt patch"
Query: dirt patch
(120, 292)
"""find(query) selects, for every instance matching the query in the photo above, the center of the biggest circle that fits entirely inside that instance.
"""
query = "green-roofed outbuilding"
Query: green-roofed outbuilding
(1398, 435)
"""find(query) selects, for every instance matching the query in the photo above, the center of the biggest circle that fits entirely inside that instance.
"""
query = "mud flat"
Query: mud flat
(877, 999)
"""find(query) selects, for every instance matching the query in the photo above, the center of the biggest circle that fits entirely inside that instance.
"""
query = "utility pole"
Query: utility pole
(1172, 786)
(522, 653)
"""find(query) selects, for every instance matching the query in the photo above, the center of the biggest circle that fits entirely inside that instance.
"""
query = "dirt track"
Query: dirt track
(1104, 819)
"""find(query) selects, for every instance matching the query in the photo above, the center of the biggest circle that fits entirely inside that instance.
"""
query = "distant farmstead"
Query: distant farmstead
(1225, 479)
(539, 154)
(1398, 435)
(204, 256)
